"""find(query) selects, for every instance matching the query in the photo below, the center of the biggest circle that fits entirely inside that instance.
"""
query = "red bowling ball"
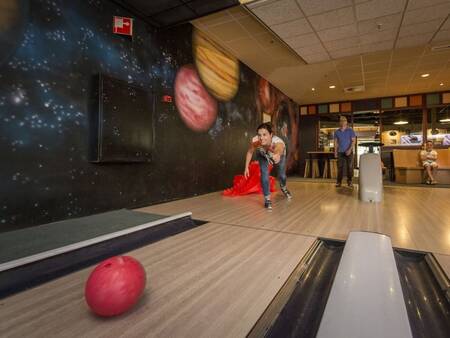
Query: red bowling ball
(115, 286)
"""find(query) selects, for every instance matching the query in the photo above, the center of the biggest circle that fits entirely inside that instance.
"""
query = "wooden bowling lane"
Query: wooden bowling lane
(415, 218)
(214, 280)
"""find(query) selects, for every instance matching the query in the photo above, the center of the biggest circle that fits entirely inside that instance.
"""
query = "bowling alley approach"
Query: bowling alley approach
(234, 168)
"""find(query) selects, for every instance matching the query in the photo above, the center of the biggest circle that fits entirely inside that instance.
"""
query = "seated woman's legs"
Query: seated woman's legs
(430, 173)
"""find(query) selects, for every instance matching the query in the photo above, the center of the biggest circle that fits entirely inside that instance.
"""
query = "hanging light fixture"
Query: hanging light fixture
(401, 120)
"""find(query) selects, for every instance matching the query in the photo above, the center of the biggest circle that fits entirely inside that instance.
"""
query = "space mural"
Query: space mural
(50, 52)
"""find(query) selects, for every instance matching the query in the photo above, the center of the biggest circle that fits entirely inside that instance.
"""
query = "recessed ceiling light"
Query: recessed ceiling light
(313, 89)
(441, 84)
(332, 87)
(401, 122)
(425, 75)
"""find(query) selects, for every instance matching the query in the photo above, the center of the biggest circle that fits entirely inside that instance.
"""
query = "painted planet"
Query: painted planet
(266, 95)
(218, 69)
(197, 108)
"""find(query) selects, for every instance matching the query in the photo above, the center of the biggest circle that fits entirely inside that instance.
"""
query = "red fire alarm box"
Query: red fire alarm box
(166, 98)
(122, 25)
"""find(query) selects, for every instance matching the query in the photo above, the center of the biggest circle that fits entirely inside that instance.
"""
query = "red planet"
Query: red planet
(197, 108)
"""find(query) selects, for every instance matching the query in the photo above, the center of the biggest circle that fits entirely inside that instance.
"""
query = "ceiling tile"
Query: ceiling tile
(427, 14)
(375, 82)
(402, 70)
(313, 58)
(442, 36)
(281, 52)
(406, 54)
(342, 44)
(398, 77)
(311, 7)
(252, 25)
(378, 37)
(314, 49)
(278, 12)
(414, 4)
(377, 57)
(228, 32)
(441, 57)
(431, 68)
(303, 40)
(348, 62)
(413, 40)
(389, 23)
(292, 28)
(446, 25)
(246, 43)
(376, 67)
(344, 52)
(352, 83)
(377, 46)
(352, 79)
(339, 17)
(419, 28)
(237, 12)
(376, 8)
(338, 33)
(267, 40)
(376, 75)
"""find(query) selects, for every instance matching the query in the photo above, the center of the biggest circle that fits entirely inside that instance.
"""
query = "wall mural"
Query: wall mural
(52, 51)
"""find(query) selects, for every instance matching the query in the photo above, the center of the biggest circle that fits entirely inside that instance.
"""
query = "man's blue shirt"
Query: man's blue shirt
(344, 138)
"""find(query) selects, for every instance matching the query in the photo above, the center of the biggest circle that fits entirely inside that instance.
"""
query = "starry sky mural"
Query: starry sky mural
(53, 50)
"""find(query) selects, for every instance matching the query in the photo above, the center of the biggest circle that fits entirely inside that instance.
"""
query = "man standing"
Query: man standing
(344, 142)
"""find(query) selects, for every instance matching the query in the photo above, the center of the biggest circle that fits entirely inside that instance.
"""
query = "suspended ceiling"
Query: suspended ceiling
(383, 45)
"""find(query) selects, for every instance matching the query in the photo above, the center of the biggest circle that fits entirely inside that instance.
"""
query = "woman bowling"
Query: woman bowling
(270, 149)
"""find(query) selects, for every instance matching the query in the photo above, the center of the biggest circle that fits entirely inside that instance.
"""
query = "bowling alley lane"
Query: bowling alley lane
(213, 279)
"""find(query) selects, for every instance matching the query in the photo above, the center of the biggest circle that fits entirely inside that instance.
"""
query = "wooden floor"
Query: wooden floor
(217, 279)
(212, 281)
(415, 218)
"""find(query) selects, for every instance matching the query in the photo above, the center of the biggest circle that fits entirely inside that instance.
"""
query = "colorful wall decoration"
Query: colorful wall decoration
(52, 53)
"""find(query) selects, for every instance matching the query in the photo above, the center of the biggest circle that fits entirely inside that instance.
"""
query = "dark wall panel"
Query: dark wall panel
(47, 79)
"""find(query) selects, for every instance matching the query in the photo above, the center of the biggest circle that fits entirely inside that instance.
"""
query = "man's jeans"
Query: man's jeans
(347, 162)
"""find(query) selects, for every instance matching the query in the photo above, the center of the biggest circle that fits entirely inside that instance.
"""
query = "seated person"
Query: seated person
(428, 156)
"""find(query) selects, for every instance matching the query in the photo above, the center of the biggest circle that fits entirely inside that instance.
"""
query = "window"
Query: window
(403, 127)
(439, 126)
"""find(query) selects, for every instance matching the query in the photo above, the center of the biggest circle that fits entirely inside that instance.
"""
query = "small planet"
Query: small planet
(197, 108)
(218, 69)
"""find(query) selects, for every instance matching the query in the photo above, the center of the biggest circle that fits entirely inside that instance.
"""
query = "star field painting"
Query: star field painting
(51, 52)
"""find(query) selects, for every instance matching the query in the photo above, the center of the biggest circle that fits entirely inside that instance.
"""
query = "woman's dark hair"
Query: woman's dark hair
(267, 126)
